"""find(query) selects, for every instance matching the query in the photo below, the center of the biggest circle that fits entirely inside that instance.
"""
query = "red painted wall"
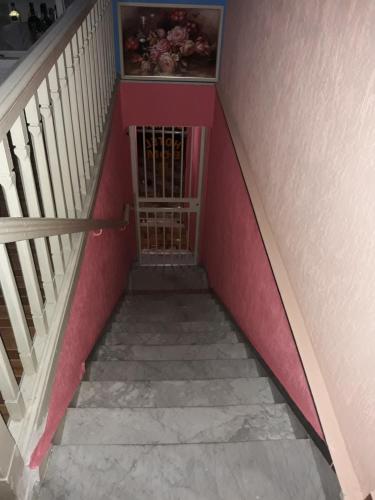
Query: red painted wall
(239, 271)
(167, 104)
(101, 282)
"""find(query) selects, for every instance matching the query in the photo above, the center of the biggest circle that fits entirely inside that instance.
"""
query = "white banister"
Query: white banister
(89, 84)
(77, 137)
(68, 127)
(16, 313)
(36, 133)
(11, 463)
(53, 160)
(83, 55)
(12, 396)
(82, 114)
(54, 121)
(62, 156)
(22, 150)
(8, 182)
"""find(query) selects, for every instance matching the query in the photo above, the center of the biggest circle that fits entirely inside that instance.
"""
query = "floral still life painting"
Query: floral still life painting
(170, 42)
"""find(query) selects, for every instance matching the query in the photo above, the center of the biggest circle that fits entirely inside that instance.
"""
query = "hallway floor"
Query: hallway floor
(176, 407)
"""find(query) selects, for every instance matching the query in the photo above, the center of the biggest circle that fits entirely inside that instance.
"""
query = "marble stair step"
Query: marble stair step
(176, 338)
(170, 327)
(179, 425)
(148, 278)
(167, 306)
(175, 315)
(266, 470)
(173, 370)
(177, 393)
(171, 352)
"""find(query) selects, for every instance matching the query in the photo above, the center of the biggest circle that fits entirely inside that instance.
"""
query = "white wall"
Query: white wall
(298, 79)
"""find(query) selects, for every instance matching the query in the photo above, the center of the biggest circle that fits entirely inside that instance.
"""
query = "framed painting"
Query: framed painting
(170, 42)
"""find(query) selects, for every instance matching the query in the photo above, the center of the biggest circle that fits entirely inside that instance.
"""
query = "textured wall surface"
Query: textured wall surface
(101, 282)
(298, 78)
(167, 104)
(239, 271)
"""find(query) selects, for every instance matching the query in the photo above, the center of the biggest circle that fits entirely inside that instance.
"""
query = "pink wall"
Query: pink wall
(167, 104)
(239, 271)
(102, 280)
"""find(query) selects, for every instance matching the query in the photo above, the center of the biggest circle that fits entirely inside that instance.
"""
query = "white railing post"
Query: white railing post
(8, 387)
(68, 125)
(79, 139)
(16, 313)
(102, 76)
(89, 86)
(82, 101)
(54, 163)
(8, 181)
(22, 150)
(82, 56)
(35, 129)
(11, 464)
(58, 119)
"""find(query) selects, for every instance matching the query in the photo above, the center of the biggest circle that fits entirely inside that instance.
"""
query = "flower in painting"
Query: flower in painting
(177, 35)
(167, 64)
(161, 33)
(136, 58)
(202, 46)
(188, 48)
(192, 28)
(132, 43)
(146, 67)
(178, 16)
(161, 47)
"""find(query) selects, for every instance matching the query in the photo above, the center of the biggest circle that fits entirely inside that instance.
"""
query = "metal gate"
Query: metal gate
(167, 171)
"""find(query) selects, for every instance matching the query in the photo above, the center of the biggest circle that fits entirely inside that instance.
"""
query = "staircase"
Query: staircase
(176, 407)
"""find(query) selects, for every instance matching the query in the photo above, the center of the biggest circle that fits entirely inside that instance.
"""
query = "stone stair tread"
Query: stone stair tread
(177, 393)
(183, 278)
(171, 352)
(175, 338)
(179, 425)
(170, 327)
(173, 370)
(177, 316)
(266, 470)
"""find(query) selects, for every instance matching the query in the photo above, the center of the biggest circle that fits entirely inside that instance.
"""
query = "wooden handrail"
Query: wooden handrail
(27, 228)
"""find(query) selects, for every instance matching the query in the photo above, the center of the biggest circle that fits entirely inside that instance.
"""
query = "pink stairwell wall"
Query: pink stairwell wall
(239, 272)
(101, 281)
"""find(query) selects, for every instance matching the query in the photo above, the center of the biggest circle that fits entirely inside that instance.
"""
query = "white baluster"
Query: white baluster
(16, 314)
(89, 88)
(112, 46)
(61, 141)
(84, 122)
(11, 463)
(8, 181)
(35, 129)
(79, 140)
(22, 151)
(102, 76)
(93, 60)
(68, 122)
(8, 387)
(54, 162)
(96, 58)
(106, 70)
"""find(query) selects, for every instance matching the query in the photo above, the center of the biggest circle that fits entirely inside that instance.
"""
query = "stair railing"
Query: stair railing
(54, 114)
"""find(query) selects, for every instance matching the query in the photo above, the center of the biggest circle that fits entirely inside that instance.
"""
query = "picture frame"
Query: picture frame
(170, 42)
